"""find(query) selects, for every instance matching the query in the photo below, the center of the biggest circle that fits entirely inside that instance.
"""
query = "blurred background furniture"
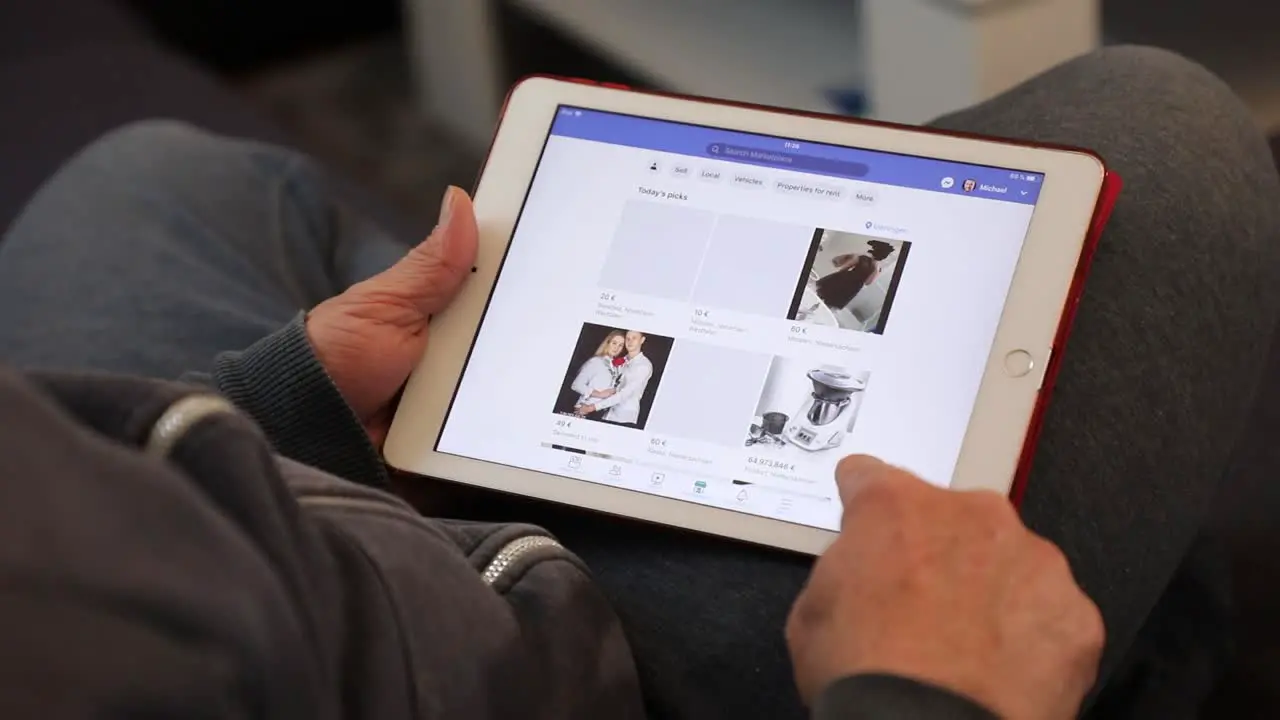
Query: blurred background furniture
(237, 37)
(334, 77)
(70, 70)
(898, 60)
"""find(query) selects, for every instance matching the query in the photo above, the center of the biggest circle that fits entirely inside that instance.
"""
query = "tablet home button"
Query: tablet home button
(1018, 363)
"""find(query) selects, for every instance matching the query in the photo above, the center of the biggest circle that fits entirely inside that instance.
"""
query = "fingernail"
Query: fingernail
(446, 206)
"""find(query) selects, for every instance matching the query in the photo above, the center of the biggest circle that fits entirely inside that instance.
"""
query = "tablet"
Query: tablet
(686, 311)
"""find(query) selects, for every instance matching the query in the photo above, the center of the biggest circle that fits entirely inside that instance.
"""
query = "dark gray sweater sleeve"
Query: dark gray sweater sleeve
(888, 697)
(281, 384)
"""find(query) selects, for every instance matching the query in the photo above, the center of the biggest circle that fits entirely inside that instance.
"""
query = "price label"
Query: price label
(799, 330)
(771, 464)
(608, 297)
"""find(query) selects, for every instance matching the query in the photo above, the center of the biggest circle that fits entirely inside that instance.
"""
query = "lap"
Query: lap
(1157, 378)
(1174, 325)
(160, 245)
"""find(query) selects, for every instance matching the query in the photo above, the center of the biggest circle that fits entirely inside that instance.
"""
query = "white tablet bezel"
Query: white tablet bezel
(994, 441)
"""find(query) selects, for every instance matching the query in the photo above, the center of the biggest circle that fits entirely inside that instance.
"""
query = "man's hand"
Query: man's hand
(585, 410)
(948, 588)
(370, 337)
(603, 393)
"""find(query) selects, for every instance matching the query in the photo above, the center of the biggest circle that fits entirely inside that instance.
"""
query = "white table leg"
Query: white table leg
(929, 57)
(457, 64)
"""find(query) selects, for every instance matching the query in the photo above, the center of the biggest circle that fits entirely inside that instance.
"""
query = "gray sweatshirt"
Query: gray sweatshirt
(167, 553)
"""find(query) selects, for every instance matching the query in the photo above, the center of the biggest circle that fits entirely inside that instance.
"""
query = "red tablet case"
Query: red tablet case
(1111, 186)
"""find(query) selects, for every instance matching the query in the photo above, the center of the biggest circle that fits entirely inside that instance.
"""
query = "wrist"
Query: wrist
(280, 382)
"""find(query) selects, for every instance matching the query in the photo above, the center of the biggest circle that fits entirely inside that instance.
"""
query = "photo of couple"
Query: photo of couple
(613, 375)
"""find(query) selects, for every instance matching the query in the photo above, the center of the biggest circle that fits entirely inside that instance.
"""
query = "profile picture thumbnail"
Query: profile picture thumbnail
(850, 281)
(970, 185)
(613, 375)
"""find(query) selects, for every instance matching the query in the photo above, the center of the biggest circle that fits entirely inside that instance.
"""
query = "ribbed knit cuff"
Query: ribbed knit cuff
(281, 384)
(889, 697)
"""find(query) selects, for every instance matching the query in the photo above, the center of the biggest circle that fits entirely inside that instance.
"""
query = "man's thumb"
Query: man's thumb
(431, 273)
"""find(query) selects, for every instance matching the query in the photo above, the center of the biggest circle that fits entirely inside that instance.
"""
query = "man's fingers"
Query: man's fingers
(861, 478)
(857, 473)
(430, 275)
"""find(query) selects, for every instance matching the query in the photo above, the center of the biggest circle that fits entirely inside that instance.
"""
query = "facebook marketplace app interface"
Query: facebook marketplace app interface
(718, 317)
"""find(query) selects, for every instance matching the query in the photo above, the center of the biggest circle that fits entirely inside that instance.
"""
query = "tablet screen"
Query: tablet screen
(718, 317)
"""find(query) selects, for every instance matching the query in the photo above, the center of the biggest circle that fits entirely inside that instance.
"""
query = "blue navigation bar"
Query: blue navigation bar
(803, 156)
(789, 160)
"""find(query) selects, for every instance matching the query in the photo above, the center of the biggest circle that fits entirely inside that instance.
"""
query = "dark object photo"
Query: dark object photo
(849, 281)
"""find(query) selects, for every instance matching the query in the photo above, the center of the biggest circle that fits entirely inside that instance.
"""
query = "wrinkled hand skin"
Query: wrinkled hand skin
(948, 588)
(372, 336)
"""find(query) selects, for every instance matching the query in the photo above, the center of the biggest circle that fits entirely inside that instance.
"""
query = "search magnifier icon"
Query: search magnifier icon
(715, 149)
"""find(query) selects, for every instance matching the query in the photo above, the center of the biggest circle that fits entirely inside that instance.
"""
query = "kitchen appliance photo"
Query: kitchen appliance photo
(827, 415)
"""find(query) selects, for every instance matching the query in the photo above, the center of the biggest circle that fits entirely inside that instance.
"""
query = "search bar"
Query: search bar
(792, 161)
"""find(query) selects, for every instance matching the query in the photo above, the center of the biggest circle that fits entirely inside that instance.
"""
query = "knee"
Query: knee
(156, 149)
(174, 158)
(166, 166)
(1144, 68)
(1171, 115)
(1160, 87)
(158, 136)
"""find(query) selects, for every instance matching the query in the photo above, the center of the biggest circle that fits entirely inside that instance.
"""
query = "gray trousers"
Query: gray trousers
(159, 246)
